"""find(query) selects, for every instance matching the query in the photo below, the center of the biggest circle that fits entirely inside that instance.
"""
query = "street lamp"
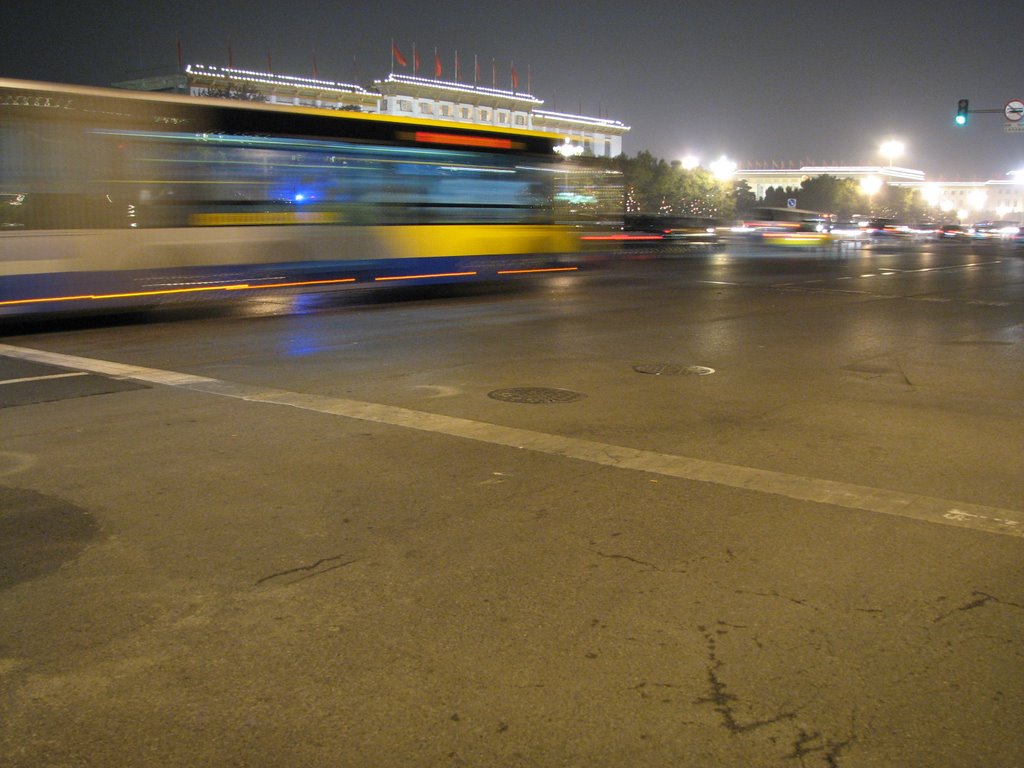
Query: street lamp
(723, 168)
(568, 149)
(870, 185)
(891, 149)
(689, 162)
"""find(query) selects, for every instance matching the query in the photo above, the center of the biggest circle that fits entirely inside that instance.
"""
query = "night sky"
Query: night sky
(788, 82)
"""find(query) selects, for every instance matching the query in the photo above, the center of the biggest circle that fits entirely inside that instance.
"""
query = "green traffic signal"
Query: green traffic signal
(961, 112)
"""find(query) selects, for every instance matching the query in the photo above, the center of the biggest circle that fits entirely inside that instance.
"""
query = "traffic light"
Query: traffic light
(961, 112)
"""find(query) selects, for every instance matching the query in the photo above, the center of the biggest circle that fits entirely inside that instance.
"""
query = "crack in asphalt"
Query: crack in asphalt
(723, 700)
(981, 599)
(310, 569)
(652, 566)
(806, 744)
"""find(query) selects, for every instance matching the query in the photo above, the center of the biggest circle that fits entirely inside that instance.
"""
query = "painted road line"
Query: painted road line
(848, 495)
(44, 378)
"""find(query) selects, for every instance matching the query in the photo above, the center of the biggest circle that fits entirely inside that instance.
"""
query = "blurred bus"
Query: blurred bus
(112, 197)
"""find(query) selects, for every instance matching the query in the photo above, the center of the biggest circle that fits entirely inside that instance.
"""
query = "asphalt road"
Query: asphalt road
(750, 508)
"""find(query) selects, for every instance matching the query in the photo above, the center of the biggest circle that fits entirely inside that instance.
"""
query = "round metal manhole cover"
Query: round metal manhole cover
(535, 395)
(673, 369)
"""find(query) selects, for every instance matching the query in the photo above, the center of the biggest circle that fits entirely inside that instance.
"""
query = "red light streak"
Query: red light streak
(622, 237)
(428, 137)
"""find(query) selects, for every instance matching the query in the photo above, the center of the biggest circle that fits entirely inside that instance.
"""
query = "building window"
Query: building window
(427, 109)
(503, 118)
(520, 119)
(465, 113)
(404, 105)
(445, 110)
(485, 115)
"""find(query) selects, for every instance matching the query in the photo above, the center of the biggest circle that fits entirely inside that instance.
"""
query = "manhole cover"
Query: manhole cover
(673, 369)
(535, 395)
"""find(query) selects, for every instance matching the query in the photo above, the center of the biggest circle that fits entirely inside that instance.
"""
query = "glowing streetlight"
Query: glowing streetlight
(690, 162)
(931, 193)
(891, 149)
(568, 149)
(870, 185)
(723, 168)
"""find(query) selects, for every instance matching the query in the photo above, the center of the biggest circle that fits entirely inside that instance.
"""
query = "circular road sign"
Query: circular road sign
(1014, 110)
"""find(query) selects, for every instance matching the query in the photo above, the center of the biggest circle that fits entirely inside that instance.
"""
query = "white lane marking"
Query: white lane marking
(953, 266)
(851, 496)
(44, 378)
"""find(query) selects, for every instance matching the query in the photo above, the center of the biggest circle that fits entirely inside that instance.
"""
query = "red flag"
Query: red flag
(437, 64)
(397, 55)
(515, 78)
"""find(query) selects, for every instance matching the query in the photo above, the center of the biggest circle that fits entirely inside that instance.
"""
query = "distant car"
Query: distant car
(678, 230)
(952, 232)
(886, 228)
(995, 230)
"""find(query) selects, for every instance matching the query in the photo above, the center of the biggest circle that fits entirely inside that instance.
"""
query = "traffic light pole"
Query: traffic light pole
(962, 111)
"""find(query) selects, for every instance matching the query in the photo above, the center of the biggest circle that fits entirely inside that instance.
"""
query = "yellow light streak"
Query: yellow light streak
(172, 291)
(424, 277)
(544, 269)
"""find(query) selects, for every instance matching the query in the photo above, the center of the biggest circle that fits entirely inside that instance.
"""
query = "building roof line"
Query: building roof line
(582, 119)
(448, 85)
(270, 78)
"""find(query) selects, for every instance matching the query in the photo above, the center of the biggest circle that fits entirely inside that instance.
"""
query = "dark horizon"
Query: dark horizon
(796, 84)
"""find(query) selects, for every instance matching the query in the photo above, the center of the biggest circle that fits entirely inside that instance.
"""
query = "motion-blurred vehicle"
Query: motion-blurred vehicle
(118, 198)
(887, 228)
(952, 232)
(995, 230)
(790, 227)
(669, 230)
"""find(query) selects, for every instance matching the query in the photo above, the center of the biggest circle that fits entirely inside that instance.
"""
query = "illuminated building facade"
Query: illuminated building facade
(967, 201)
(400, 95)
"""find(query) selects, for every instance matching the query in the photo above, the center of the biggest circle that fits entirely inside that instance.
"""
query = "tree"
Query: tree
(654, 186)
(743, 196)
(830, 194)
(898, 203)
